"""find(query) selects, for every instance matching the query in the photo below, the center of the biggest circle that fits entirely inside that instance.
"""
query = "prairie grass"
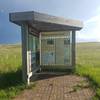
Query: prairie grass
(10, 71)
(88, 64)
(10, 58)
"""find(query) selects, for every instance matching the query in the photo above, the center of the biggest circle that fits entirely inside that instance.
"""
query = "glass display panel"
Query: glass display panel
(56, 48)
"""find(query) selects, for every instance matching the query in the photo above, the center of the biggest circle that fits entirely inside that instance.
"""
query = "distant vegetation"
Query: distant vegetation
(87, 59)
(10, 58)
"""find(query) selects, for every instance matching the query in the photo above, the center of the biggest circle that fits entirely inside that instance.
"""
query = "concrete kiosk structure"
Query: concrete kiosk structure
(46, 41)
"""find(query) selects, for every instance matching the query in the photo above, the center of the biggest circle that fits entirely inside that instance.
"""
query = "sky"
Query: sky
(87, 11)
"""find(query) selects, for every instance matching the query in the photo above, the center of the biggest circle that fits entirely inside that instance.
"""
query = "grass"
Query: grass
(88, 64)
(10, 58)
(10, 71)
(87, 59)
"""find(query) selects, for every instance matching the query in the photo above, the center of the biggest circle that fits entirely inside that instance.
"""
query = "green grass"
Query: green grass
(10, 71)
(10, 58)
(87, 59)
(88, 64)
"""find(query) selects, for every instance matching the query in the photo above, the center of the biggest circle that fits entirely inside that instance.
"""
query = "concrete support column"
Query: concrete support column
(73, 48)
(24, 36)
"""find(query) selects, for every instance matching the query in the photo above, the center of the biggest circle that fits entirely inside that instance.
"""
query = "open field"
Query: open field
(87, 59)
(10, 71)
(88, 63)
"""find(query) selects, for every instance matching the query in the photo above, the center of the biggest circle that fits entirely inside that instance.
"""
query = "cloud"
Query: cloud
(98, 10)
(91, 30)
(93, 19)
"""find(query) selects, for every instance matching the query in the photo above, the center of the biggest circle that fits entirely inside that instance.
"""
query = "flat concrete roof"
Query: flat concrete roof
(44, 22)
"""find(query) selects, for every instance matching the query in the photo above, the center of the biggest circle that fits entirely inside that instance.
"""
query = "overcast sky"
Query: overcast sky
(87, 11)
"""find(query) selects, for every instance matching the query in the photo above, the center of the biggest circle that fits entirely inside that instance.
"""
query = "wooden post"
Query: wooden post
(73, 48)
(24, 35)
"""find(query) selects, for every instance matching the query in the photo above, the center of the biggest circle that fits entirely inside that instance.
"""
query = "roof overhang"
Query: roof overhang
(44, 22)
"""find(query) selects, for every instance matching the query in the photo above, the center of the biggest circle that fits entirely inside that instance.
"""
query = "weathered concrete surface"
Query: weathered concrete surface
(65, 87)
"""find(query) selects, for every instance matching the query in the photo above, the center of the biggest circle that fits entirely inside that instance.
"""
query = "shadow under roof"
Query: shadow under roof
(44, 22)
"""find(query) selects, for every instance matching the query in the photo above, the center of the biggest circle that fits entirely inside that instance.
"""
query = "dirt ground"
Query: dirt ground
(58, 87)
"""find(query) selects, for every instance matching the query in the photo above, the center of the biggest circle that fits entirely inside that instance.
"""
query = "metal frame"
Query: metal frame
(40, 47)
